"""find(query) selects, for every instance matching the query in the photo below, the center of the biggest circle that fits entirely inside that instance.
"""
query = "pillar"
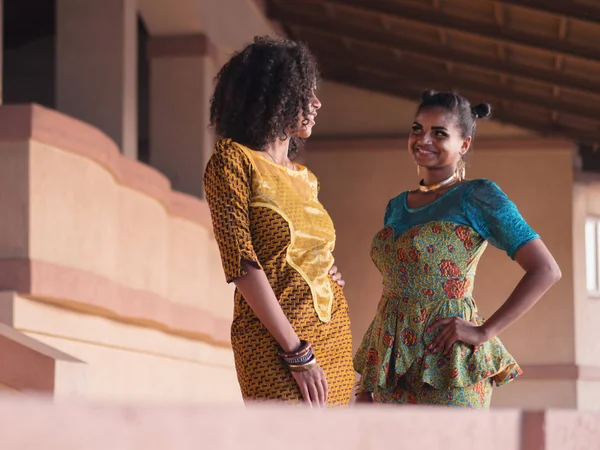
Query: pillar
(1, 52)
(96, 66)
(182, 69)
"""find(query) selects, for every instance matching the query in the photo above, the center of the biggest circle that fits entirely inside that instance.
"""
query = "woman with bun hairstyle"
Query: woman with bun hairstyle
(427, 344)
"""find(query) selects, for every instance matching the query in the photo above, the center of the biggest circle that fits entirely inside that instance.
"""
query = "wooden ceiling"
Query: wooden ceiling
(536, 61)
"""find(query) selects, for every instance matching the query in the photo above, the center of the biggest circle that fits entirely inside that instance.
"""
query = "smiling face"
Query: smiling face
(435, 141)
(305, 125)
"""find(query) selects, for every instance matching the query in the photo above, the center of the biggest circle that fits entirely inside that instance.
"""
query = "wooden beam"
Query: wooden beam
(417, 74)
(428, 16)
(410, 90)
(501, 19)
(567, 8)
(437, 52)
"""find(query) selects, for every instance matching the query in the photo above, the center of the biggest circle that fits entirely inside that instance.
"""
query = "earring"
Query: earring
(461, 170)
(419, 170)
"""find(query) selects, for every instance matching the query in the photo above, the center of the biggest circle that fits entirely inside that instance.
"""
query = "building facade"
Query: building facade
(111, 282)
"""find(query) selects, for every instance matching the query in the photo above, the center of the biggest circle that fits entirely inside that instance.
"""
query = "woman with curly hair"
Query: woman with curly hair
(291, 330)
(427, 344)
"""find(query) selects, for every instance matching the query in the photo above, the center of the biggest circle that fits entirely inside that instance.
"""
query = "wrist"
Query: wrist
(292, 345)
(487, 331)
(300, 360)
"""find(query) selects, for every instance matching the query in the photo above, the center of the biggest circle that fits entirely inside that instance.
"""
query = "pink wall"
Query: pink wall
(100, 259)
(29, 365)
(586, 203)
(32, 423)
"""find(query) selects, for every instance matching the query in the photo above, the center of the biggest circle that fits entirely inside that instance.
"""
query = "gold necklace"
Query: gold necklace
(286, 166)
(437, 186)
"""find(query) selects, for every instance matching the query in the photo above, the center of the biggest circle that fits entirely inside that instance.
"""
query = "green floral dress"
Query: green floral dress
(428, 257)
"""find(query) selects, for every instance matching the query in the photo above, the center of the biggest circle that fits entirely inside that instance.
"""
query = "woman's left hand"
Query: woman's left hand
(456, 329)
(337, 277)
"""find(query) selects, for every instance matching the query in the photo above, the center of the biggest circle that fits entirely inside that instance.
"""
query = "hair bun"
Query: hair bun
(428, 95)
(482, 110)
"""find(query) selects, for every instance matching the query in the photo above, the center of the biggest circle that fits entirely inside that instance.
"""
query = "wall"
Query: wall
(586, 202)
(151, 303)
(213, 18)
(27, 365)
(109, 265)
(348, 111)
(127, 362)
(37, 423)
(358, 177)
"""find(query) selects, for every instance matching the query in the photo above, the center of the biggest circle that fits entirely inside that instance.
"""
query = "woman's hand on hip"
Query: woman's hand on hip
(456, 329)
(313, 385)
(337, 276)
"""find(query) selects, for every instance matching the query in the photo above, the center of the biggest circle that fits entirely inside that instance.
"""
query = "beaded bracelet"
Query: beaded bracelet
(303, 367)
(301, 360)
(292, 357)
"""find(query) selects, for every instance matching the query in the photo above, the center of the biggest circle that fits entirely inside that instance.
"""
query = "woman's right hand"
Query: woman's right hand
(313, 385)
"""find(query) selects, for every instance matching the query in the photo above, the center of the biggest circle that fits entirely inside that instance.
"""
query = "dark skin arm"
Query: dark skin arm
(258, 293)
(541, 272)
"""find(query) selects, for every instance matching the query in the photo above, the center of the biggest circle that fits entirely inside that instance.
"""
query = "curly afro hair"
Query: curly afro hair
(261, 92)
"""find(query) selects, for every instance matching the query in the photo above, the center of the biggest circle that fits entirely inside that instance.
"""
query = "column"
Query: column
(96, 66)
(1, 52)
(182, 69)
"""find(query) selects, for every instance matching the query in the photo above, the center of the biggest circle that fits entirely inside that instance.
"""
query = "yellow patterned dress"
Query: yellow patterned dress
(428, 257)
(270, 216)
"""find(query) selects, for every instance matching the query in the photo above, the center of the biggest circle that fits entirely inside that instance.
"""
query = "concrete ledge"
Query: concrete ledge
(34, 122)
(77, 426)
(37, 423)
(567, 429)
(73, 285)
(29, 365)
(89, 293)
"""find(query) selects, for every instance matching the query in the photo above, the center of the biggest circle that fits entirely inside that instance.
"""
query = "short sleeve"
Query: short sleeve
(227, 183)
(388, 213)
(496, 218)
(393, 211)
